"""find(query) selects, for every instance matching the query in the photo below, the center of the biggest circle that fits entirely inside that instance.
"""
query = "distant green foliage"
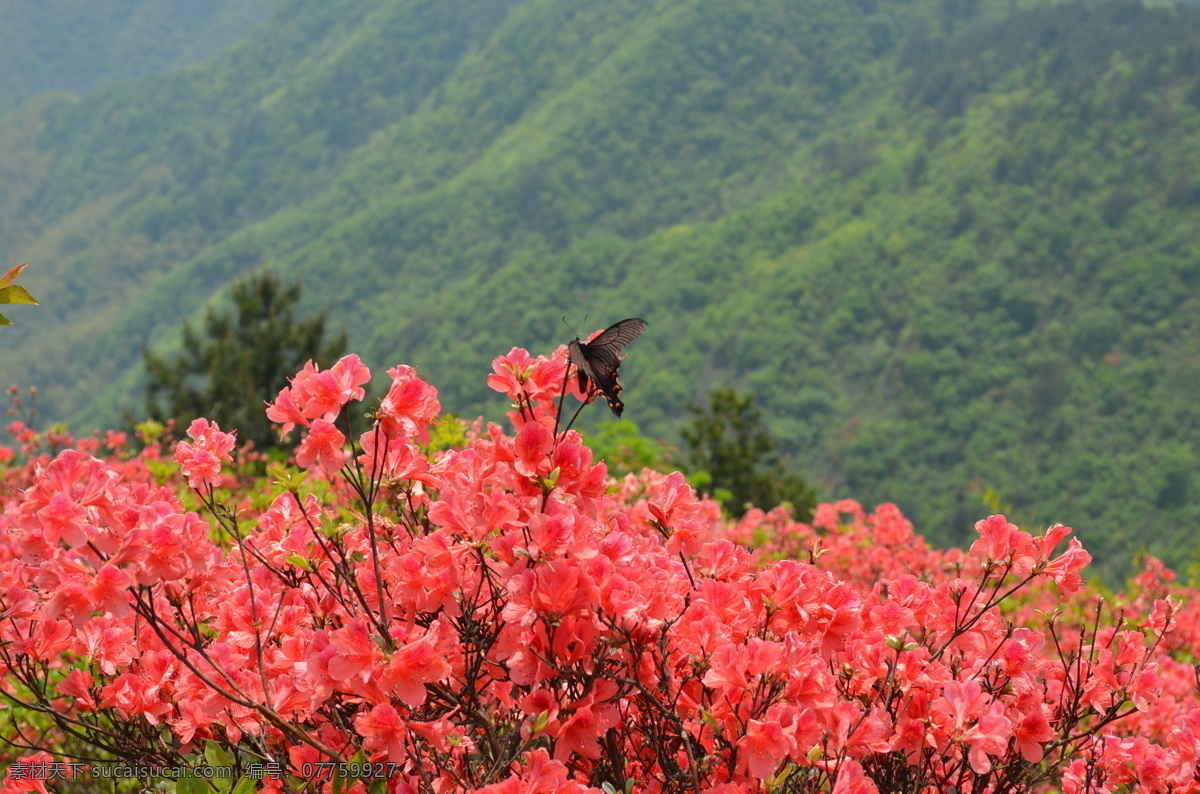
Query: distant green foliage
(449, 433)
(728, 441)
(621, 445)
(240, 360)
(76, 45)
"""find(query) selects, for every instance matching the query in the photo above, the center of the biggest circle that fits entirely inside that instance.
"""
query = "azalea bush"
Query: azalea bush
(501, 616)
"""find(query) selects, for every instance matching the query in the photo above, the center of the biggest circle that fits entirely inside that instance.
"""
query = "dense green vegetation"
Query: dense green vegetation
(731, 453)
(76, 45)
(947, 245)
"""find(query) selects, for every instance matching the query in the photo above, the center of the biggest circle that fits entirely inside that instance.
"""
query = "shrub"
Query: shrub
(502, 617)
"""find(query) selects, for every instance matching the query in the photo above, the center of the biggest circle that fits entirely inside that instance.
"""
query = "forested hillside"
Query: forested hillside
(76, 45)
(950, 246)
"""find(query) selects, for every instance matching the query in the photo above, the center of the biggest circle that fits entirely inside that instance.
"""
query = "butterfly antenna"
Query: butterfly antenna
(564, 319)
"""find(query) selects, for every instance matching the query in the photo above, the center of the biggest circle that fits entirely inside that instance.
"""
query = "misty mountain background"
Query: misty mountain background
(949, 246)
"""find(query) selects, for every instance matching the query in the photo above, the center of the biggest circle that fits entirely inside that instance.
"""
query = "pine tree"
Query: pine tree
(729, 442)
(240, 359)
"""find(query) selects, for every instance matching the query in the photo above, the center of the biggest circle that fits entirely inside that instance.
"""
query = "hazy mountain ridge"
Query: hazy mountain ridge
(77, 45)
(947, 252)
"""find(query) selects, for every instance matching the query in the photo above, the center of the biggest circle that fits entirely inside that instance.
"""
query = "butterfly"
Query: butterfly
(599, 359)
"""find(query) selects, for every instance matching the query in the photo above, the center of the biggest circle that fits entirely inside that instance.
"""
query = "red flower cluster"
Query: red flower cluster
(503, 617)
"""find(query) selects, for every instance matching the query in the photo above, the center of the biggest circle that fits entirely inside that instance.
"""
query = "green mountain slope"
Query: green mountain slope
(76, 45)
(950, 246)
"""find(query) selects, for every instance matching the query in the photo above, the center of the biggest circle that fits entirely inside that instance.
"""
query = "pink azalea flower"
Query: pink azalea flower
(414, 665)
(1032, 733)
(286, 412)
(108, 591)
(70, 601)
(384, 731)
(510, 372)
(201, 461)
(532, 446)
(761, 748)
(78, 684)
(410, 406)
(852, 780)
(1065, 568)
(354, 650)
(316, 394)
(63, 519)
(727, 667)
(30, 773)
(997, 537)
(584, 722)
(323, 443)
(988, 737)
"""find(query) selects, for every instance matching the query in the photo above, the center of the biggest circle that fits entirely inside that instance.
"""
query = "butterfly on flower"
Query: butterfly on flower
(598, 360)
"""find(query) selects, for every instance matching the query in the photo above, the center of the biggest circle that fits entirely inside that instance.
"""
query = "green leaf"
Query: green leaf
(191, 785)
(149, 430)
(298, 561)
(290, 480)
(216, 755)
(246, 785)
(359, 758)
(16, 294)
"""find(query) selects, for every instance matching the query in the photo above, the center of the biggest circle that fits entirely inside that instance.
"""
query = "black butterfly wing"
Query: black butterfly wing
(591, 363)
(609, 385)
(582, 368)
(600, 358)
(617, 335)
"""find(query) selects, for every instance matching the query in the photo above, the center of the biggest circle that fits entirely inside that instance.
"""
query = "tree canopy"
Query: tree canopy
(730, 450)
